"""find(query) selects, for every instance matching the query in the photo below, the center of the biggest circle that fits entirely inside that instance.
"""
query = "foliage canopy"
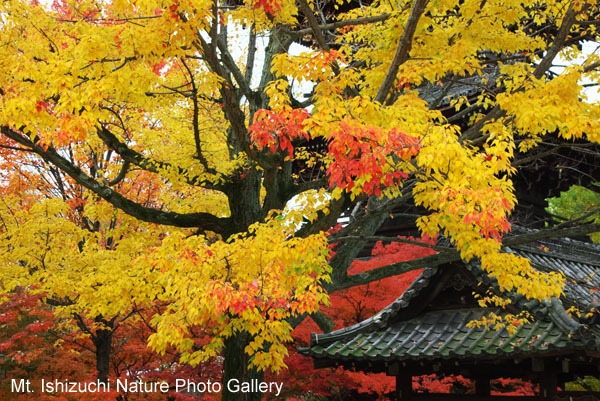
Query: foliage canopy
(147, 158)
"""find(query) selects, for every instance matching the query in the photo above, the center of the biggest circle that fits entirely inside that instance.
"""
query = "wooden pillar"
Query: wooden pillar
(547, 375)
(482, 385)
(403, 386)
(548, 383)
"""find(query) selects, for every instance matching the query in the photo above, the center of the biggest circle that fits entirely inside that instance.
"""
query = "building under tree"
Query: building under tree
(426, 330)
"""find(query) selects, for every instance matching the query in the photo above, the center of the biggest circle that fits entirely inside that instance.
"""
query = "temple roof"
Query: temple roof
(444, 334)
(412, 329)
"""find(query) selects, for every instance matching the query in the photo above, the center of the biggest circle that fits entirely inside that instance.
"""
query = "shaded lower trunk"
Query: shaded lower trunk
(103, 343)
(236, 370)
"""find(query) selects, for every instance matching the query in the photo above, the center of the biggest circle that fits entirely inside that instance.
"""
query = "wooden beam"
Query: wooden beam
(537, 365)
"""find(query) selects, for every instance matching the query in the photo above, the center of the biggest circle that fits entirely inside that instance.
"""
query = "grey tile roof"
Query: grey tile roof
(443, 334)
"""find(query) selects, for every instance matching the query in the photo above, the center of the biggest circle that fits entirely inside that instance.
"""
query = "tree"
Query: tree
(77, 243)
(106, 92)
(577, 203)
(27, 347)
(35, 345)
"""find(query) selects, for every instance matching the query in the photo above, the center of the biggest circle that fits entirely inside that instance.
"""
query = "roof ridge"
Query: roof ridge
(561, 318)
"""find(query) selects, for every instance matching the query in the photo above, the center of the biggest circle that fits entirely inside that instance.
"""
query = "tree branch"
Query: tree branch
(539, 71)
(555, 149)
(403, 49)
(251, 55)
(154, 166)
(323, 321)
(340, 24)
(231, 102)
(121, 175)
(557, 44)
(314, 24)
(204, 221)
(560, 231)
(196, 129)
(308, 185)
(233, 68)
(15, 148)
(394, 270)
(591, 67)
(383, 238)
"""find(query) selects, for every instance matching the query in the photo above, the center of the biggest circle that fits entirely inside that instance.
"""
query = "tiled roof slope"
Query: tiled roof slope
(443, 334)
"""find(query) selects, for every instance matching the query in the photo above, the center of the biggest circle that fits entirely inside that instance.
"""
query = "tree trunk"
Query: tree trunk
(103, 343)
(236, 371)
